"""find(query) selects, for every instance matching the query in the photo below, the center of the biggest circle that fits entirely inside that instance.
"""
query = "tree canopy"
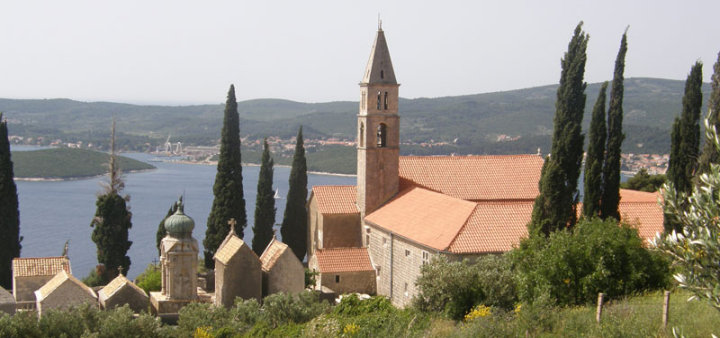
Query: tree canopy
(294, 224)
(9, 213)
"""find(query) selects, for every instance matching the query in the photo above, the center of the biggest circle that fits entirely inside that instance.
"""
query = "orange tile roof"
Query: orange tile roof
(424, 216)
(40, 266)
(474, 178)
(628, 195)
(343, 260)
(646, 216)
(494, 227)
(336, 199)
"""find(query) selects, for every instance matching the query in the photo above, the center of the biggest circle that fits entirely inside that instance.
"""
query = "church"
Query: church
(374, 237)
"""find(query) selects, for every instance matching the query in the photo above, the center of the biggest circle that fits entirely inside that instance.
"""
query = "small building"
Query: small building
(178, 260)
(29, 274)
(63, 291)
(121, 291)
(344, 270)
(282, 271)
(238, 272)
(7, 302)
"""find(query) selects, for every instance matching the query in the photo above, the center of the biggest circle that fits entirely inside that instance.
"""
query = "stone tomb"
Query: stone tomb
(63, 291)
(178, 260)
(238, 272)
(121, 291)
(282, 271)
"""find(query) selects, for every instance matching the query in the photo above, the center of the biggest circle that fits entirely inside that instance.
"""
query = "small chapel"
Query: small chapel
(375, 236)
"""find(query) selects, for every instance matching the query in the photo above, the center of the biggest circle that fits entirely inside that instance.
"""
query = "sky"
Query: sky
(189, 52)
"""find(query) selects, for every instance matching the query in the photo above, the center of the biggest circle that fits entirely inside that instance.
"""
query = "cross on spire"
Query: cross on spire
(120, 270)
(232, 223)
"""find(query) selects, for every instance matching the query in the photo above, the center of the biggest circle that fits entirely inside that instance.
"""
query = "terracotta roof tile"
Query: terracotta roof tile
(40, 266)
(61, 278)
(474, 178)
(343, 260)
(494, 227)
(336, 199)
(627, 195)
(647, 216)
(424, 216)
(272, 252)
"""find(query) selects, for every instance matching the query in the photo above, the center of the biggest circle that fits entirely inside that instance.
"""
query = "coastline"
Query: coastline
(74, 178)
(257, 165)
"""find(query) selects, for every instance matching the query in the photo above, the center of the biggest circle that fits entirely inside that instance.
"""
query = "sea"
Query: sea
(53, 212)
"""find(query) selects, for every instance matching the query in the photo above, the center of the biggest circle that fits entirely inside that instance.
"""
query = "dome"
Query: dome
(179, 224)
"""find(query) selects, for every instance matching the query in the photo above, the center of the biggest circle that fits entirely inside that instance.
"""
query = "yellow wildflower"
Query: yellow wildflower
(478, 312)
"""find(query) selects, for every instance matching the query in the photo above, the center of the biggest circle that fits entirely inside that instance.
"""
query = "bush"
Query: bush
(572, 267)
(150, 279)
(351, 305)
(454, 288)
(282, 308)
(92, 279)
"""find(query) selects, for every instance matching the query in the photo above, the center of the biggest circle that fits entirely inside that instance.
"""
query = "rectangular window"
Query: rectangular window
(407, 253)
(362, 101)
(337, 278)
(406, 289)
(386, 102)
(384, 242)
(425, 257)
(378, 269)
(367, 240)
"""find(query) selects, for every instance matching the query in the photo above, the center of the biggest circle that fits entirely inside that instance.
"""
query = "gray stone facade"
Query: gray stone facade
(238, 272)
(7, 302)
(282, 271)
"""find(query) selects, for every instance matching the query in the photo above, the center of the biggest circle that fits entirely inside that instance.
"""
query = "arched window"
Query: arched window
(386, 102)
(378, 103)
(362, 101)
(381, 135)
(382, 74)
(362, 134)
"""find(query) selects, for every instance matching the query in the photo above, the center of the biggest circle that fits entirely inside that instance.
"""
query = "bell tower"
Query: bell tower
(378, 130)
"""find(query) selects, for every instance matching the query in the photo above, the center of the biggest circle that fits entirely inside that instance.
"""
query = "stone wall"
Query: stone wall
(65, 296)
(127, 295)
(341, 231)
(346, 282)
(287, 275)
(24, 287)
(242, 277)
(406, 259)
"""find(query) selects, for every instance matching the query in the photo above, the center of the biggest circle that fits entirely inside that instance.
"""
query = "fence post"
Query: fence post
(599, 307)
(666, 308)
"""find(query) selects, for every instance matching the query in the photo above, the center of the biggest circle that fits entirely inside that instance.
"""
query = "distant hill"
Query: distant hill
(65, 163)
(473, 123)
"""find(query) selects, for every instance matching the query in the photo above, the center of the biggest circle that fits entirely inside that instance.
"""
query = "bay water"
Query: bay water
(52, 212)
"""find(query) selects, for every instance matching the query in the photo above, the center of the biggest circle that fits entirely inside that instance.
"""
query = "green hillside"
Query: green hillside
(68, 163)
(473, 122)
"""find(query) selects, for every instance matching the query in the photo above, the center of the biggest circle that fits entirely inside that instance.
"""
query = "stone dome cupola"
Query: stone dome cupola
(178, 224)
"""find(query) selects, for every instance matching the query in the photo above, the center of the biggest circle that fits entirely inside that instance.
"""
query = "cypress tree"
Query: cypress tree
(228, 188)
(595, 157)
(161, 232)
(710, 154)
(294, 225)
(264, 204)
(685, 138)
(555, 207)
(611, 167)
(111, 223)
(9, 213)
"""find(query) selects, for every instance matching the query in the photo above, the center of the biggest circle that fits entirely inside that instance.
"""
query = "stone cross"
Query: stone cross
(120, 270)
(232, 223)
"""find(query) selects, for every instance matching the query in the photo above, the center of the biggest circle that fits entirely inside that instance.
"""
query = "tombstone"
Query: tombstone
(63, 291)
(282, 271)
(121, 291)
(238, 272)
(178, 261)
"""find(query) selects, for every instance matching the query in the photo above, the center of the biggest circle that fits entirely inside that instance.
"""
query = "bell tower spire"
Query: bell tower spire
(378, 130)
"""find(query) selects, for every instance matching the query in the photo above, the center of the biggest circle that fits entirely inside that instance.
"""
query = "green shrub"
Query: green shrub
(454, 288)
(282, 308)
(351, 305)
(22, 324)
(150, 279)
(195, 315)
(92, 279)
(119, 322)
(572, 267)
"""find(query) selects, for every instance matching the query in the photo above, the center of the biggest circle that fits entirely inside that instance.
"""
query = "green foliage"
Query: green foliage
(554, 208)
(111, 223)
(572, 266)
(351, 305)
(69, 163)
(150, 279)
(310, 277)
(93, 279)
(264, 204)
(281, 308)
(294, 224)
(611, 166)
(695, 249)
(9, 213)
(595, 158)
(710, 154)
(454, 288)
(229, 202)
(161, 232)
(685, 139)
(643, 181)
